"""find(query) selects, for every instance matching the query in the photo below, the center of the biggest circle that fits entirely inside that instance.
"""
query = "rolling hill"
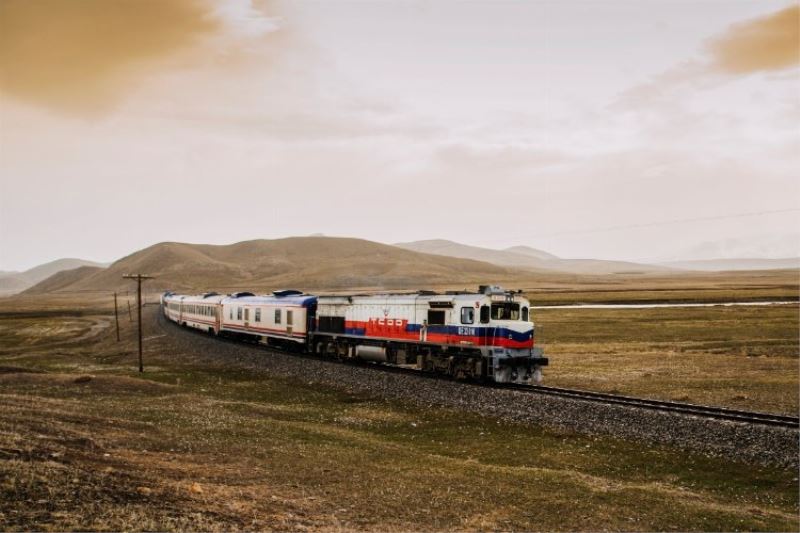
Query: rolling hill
(296, 262)
(530, 258)
(63, 279)
(13, 282)
(531, 252)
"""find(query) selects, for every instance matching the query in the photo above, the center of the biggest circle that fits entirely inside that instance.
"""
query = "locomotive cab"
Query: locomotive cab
(509, 337)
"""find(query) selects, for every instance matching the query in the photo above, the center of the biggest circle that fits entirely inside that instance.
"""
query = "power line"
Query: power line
(669, 222)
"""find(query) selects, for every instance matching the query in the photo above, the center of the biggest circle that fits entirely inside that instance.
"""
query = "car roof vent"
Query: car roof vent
(241, 294)
(287, 292)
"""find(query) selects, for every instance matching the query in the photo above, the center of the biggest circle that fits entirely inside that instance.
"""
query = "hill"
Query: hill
(498, 257)
(63, 279)
(296, 262)
(530, 259)
(532, 252)
(13, 282)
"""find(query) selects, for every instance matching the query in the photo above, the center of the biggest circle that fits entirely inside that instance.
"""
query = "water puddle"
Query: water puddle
(654, 306)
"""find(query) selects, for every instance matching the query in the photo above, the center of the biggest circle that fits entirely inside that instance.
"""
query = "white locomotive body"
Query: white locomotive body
(486, 334)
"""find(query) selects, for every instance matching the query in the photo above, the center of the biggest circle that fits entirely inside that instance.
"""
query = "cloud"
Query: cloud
(81, 56)
(764, 44)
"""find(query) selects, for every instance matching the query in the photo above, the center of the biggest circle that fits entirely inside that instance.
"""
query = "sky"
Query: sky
(629, 130)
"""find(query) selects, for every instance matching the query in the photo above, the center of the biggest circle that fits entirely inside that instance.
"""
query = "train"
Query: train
(487, 334)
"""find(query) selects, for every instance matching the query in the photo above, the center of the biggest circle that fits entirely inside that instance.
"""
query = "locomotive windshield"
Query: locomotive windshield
(505, 311)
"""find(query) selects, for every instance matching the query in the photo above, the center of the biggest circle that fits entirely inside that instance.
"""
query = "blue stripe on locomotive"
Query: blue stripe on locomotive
(476, 331)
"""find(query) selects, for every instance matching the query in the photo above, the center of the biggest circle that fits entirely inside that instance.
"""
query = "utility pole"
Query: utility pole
(139, 278)
(130, 316)
(116, 315)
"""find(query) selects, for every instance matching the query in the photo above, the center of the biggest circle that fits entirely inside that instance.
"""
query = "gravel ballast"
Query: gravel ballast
(737, 441)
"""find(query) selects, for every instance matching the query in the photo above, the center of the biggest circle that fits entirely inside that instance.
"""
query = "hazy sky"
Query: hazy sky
(611, 129)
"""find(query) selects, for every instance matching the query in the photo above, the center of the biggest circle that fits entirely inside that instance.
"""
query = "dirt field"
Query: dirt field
(87, 443)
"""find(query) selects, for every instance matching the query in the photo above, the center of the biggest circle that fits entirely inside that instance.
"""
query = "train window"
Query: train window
(435, 318)
(505, 311)
(230, 315)
(485, 314)
(467, 315)
(277, 316)
(289, 318)
(258, 314)
(238, 313)
(524, 314)
(246, 314)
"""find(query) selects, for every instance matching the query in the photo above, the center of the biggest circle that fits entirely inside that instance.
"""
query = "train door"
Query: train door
(311, 318)
(217, 316)
(485, 332)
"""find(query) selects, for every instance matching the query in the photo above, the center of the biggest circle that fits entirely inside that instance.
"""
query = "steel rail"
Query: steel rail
(704, 411)
(707, 411)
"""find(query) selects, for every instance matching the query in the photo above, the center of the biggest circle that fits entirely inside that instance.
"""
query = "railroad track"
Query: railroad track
(703, 411)
(720, 413)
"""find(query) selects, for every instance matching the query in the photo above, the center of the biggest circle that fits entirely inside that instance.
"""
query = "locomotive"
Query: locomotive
(487, 335)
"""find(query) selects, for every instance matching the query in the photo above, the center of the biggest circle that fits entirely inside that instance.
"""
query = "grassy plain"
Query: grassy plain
(86, 443)
(743, 357)
(655, 288)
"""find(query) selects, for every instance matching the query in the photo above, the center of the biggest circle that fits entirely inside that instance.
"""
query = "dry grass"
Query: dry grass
(677, 287)
(745, 357)
(87, 444)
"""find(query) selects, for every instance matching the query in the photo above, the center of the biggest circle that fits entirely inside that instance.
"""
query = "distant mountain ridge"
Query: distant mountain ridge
(13, 282)
(532, 252)
(529, 258)
(334, 263)
(750, 247)
(713, 265)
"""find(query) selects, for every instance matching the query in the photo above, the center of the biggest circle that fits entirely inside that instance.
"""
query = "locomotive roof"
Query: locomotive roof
(419, 298)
